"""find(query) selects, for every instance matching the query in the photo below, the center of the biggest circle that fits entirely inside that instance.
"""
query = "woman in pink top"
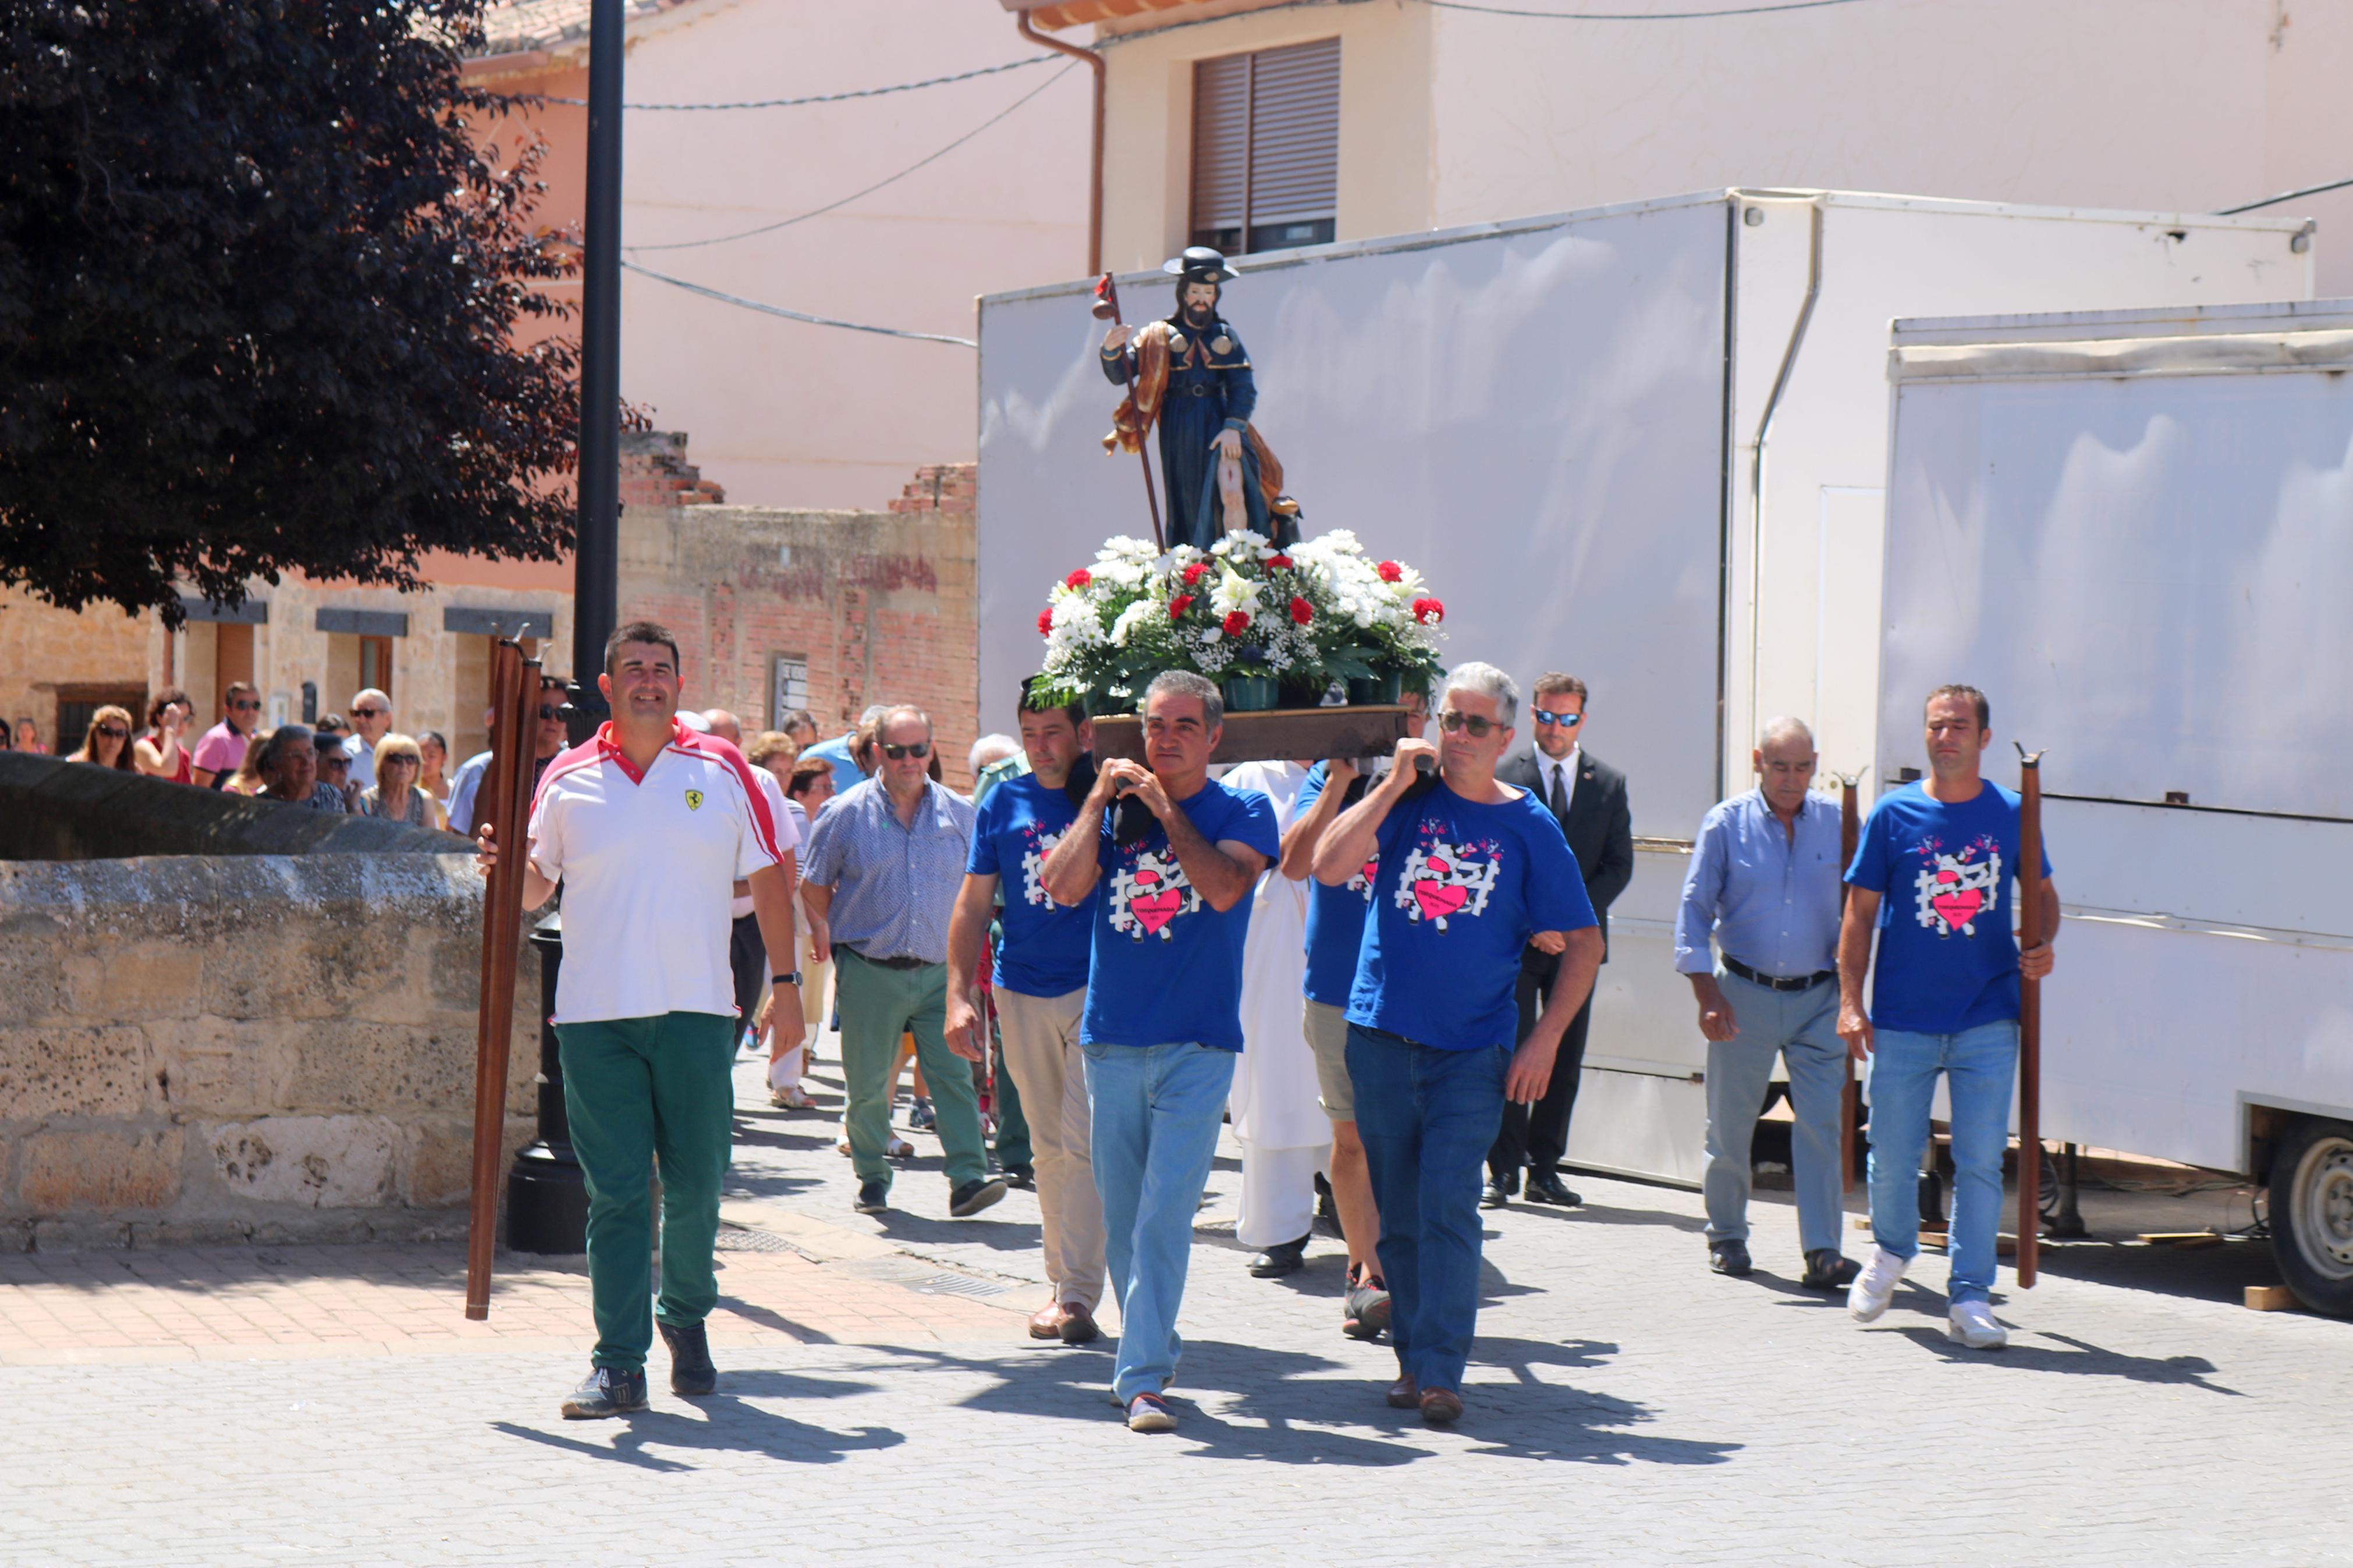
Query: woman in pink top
(160, 753)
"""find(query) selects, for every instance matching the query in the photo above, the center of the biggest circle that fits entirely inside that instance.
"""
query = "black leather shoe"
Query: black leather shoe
(606, 1391)
(1729, 1258)
(1283, 1257)
(873, 1197)
(1545, 1187)
(1022, 1176)
(690, 1371)
(973, 1197)
(1494, 1194)
(1828, 1269)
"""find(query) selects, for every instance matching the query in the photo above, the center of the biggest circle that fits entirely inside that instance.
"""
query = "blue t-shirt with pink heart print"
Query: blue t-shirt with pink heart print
(1166, 969)
(1462, 888)
(1947, 877)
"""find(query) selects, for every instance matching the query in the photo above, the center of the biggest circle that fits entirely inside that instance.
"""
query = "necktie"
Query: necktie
(1559, 802)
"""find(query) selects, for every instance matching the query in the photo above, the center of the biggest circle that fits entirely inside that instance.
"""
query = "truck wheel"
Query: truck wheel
(2312, 1214)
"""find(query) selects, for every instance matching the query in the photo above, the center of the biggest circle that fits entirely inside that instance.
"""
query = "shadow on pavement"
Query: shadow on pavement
(2080, 1357)
(983, 1229)
(724, 1423)
(1538, 1420)
(1591, 1213)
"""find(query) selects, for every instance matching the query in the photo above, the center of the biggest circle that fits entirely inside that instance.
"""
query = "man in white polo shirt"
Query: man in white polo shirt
(648, 825)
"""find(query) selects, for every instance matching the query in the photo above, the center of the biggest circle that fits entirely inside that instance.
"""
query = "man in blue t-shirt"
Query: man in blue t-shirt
(1162, 1017)
(1336, 929)
(1944, 999)
(1469, 872)
(1040, 984)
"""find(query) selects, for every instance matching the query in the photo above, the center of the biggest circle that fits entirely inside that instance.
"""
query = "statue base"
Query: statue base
(1276, 735)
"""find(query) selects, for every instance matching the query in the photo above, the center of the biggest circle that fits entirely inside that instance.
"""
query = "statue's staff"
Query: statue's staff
(1106, 308)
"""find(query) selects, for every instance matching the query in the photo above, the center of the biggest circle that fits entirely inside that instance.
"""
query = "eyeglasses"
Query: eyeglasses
(918, 750)
(248, 706)
(1453, 722)
(367, 712)
(114, 732)
(1565, 720)
(549, 710)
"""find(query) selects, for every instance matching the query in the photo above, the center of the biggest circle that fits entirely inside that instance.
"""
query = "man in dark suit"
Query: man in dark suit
(1588, 797)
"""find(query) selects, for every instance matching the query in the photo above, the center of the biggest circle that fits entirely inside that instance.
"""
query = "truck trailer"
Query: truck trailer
(2134, 531)
(1644, 443)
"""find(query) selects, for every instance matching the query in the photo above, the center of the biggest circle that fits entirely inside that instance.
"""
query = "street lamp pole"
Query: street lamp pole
(596, 551)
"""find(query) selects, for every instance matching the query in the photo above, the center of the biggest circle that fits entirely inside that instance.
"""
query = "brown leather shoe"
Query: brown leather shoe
(1440, 1406)
(1046, 1322)
(1078, 1324)
(1403, 1395)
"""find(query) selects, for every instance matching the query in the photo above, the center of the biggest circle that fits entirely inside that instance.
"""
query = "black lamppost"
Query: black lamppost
(547, 1204)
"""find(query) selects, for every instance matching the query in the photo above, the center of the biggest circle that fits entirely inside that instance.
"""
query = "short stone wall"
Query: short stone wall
(266, 1047)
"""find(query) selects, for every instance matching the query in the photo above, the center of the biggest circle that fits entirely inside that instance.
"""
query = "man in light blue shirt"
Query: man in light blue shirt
(836, 752)
(1764, 882)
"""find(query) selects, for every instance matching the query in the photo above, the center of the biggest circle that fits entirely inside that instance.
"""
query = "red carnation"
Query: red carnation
(1279, 561)
(1079, 579)
(1179, 605)
(1193, 573)
(1301, 610)
(1390, 572)
(1237, 624)
(1045, 622)
(1429, 612)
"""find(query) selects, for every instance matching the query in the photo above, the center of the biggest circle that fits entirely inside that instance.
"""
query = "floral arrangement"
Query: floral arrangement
(1302, 619)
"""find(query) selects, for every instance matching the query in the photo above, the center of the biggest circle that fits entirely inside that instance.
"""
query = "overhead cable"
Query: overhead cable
(854, 196)
(1636, 15)
(2283, 196)
(765, 309)
(830, 97)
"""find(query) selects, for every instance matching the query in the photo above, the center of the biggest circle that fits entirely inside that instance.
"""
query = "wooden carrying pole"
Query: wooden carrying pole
(505, 800)
(1106, 308)
(1850, 834)
(2029, 1019)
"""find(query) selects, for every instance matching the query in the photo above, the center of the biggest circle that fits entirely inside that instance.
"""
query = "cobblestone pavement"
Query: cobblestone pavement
(880, 1402)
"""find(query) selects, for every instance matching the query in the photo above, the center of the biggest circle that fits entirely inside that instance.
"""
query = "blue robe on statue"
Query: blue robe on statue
(1210, 389)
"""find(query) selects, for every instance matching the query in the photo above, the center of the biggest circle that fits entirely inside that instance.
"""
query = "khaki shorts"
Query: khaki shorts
(1327, 1036)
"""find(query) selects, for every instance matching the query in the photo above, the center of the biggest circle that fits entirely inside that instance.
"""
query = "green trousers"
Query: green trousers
(637, 1090)
(878, 1005)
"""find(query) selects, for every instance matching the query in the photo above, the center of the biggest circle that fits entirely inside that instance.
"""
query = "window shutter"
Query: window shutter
(1220, 142)
(1295, 141)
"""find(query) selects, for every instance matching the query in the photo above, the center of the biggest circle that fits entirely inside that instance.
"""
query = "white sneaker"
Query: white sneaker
(1972, 1323)
(1872, 1289)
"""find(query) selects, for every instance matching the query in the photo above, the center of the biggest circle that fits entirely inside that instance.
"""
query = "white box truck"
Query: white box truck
(1643, 443)
(2134, 531)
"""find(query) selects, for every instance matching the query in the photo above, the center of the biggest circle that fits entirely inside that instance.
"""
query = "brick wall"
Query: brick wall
(881, 605)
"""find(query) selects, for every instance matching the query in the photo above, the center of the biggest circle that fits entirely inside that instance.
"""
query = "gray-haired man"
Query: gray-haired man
(1763, 883)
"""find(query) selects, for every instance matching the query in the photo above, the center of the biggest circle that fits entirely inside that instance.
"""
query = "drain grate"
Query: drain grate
(743, 1239)
(956, 1285)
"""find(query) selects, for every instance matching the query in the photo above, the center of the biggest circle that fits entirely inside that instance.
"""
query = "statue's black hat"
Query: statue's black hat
(1200, 264)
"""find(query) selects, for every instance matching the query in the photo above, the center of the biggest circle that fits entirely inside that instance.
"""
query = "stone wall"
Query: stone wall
(243, 1047)
(880, 606)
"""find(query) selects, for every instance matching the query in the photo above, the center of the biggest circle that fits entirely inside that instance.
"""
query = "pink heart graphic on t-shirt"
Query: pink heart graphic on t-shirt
(1154, 909)
(1372, 869)
(1438, 900)
(1959, 908)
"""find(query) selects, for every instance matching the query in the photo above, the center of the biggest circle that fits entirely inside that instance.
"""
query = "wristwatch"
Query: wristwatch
(792, 979)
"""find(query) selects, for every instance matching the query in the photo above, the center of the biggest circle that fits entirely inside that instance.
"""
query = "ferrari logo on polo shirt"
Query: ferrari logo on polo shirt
(694, 800)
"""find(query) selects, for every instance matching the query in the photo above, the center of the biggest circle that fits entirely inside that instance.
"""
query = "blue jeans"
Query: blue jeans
(1799, 1027)
(1427, 1118)
(1156, 1111)
(1981, 1066)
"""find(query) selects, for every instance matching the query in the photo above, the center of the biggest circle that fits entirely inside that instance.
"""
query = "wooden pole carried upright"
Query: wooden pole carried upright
(1850, 834)
(2029, 1019)
(1106, 308)
(505, 802)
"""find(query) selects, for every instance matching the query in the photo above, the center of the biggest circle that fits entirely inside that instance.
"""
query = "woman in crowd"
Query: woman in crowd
(162, 753)
(779, 753)
(28, 738)
(395, 797)
(434, 780)
(108, 741)
(248, 779)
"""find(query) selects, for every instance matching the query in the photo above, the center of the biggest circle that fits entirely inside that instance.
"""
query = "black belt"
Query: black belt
(903, 962)
(1193, 390)
(1773, 981)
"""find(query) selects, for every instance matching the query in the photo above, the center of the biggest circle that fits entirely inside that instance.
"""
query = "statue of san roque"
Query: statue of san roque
(1191, 376)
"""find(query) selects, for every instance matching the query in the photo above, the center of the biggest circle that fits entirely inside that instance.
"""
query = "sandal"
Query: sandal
(1827, 1268)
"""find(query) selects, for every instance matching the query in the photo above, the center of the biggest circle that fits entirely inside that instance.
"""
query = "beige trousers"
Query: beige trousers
(1041, 1050)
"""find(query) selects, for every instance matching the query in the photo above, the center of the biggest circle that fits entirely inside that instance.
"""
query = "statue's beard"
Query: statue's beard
(1199, 316)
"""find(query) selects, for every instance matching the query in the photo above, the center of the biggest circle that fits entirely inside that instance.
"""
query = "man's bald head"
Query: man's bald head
(724, 725)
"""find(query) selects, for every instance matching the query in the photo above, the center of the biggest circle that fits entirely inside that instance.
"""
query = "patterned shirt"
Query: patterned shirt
(893, 886)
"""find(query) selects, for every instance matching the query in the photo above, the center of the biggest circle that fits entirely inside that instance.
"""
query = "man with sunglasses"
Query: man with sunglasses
(370, 721)
(1469, 872)
(221, 751)
(548, 740)
(1177, 863)
(1588, 797)
(885, 862)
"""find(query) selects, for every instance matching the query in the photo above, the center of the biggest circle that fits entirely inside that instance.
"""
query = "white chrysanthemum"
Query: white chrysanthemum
(1129, 618)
